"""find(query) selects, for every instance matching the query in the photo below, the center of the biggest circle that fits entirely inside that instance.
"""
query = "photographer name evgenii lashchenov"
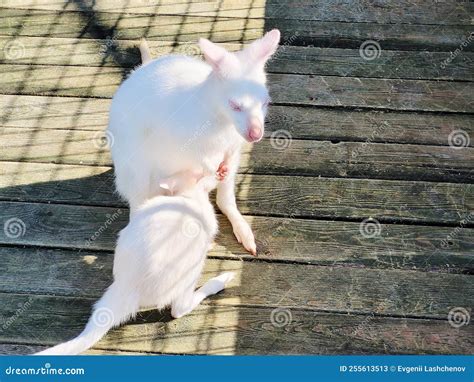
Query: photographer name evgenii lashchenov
(402, 369)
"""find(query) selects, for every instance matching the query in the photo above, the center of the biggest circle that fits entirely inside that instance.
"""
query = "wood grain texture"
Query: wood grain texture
(79, 81)
(262, 284)
(19, 349)
(289, 59)
(221, 8)
(355, 198)
(278, 155)
(362, 125)
(24, 349)
(388, 36)
(357, 266)
(43, 112)
(93, 24)
(97, 25)
(230, 330)
(328, 243)
(373, 93)
(286, 196)
(367, 11)
(389, 64)
(400, 12)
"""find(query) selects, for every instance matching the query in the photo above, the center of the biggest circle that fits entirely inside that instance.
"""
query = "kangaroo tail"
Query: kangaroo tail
(115, 307)
(145, 51)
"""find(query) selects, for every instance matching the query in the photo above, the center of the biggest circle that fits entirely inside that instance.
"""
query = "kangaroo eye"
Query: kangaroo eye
(235, 106)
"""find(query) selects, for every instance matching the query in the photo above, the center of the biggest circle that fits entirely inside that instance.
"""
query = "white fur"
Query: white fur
(173, 114)
(145, 52)
(158, 261)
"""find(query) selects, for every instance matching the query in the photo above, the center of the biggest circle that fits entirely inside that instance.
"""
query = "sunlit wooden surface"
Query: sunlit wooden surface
(360, 195)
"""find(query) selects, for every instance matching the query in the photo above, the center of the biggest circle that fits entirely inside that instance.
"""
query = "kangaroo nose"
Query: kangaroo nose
(255, 130)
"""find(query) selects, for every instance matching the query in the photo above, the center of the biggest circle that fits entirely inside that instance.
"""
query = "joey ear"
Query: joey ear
(261, 50)
(222, 62)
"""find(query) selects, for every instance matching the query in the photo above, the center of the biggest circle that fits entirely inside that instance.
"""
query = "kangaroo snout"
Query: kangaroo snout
(254, 130)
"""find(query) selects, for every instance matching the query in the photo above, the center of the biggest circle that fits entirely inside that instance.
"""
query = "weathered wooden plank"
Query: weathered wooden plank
(405, 11)
(368, 11)
(367, 126)
(354, 198)
(23, 349)
(231, 330)
(279, 155)
(360, 160)
(19, 349)
(40, 112)
(294, 196)
(294, 240)
(88, 274)
(17, 22)
(59, 183)
(43, 112)
(221, 8)
(285, 88)
(60, 80)
(373, 93)
(387, 36)
(390, 63)
(289, 59)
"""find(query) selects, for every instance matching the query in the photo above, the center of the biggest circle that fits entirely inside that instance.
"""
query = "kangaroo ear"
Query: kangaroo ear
(222, 62)
(261, 50)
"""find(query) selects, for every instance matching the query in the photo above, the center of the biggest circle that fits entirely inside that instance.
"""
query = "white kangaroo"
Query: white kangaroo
(158, 261)
(178, 113)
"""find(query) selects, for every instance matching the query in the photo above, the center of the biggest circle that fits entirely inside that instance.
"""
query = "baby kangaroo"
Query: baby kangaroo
(158, 261)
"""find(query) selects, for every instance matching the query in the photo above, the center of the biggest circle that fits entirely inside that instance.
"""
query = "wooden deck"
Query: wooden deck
(360, 195)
